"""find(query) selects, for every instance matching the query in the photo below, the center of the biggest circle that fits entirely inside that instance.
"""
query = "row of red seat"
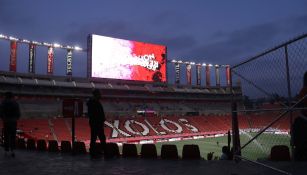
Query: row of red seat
(112, 150)
(60, 128)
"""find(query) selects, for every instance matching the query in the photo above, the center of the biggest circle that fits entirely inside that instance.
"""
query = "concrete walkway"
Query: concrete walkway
(39, 163)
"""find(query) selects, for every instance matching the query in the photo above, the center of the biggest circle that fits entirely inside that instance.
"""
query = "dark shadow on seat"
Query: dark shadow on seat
(41, 145)
(148, 151)
(53, 146)
(191, 152)
(21, 143)
(65, 147)
(280, 153)
(111, 150)
(169, 152)
(79, 148)
(31, 145)
(130, 150)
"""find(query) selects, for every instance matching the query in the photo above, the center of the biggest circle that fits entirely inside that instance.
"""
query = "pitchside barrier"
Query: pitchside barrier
(270, 84)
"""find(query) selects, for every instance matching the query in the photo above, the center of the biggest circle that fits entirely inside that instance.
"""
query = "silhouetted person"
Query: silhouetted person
(96, 121)
(225, 153)
(10, 113)
(299, 127)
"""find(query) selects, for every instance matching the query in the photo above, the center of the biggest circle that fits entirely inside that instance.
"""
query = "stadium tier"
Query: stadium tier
(140, 129)
(49, 96)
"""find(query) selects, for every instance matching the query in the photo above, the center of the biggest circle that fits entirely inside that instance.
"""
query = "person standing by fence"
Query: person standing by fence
(96, 120)
(10, 113)
(299, 127)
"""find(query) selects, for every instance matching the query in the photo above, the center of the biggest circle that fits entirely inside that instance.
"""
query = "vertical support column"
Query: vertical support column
(73, 129)
(207, 75)
(289, 92)
(217, 76)
(235, 131)
(227, 75)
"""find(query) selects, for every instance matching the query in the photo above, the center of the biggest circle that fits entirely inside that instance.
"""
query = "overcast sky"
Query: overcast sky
(216, 31)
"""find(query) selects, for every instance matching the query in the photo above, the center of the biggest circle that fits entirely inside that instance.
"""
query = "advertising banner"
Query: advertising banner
(189, 76)
(13, 56)
(217, 76)
(32, 54)
(69, 62)
(177, 71)
(207, 76)
(50, 61)
(198, 75)
(228, 75)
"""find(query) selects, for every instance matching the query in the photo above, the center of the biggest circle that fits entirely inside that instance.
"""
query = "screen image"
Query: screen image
(128, 60)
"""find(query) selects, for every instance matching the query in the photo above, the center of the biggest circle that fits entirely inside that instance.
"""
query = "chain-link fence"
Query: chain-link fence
(270, 83)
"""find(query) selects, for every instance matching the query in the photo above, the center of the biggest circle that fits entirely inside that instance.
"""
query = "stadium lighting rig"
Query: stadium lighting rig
(198, 64)
(55, 45)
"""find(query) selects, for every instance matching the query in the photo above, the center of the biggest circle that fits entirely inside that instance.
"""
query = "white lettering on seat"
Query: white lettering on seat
(116, 130)
(189, 126)
(178, 130)
(128, 127)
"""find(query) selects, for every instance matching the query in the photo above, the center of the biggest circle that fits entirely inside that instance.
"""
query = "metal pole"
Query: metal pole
(235, 125)
(235, 130)
(289, 91)
(73, 125)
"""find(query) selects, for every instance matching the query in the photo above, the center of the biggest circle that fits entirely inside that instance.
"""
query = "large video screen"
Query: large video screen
(128, 60)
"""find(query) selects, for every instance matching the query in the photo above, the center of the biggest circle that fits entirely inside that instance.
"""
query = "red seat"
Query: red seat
(65, 147)
(53, 146)
(280, 153)
(129, 150)
(190, 152)
(169, 152)
(148, 151)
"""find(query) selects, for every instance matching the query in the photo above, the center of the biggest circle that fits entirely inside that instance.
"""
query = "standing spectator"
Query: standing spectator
(96, 121)
(299, 127)
(10, 113)
(225, 153)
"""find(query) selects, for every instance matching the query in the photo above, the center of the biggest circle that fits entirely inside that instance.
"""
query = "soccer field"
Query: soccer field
(258, 149)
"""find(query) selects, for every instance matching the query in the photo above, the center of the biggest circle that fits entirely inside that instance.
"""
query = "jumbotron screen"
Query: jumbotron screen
(127, 60)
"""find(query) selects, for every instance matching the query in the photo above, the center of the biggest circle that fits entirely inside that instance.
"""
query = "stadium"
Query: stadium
(145, 108)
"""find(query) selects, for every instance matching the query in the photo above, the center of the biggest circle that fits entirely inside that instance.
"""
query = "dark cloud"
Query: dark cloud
(170, 18)
(234, 46)
(117, 29)
(13, 15)
(179, 43)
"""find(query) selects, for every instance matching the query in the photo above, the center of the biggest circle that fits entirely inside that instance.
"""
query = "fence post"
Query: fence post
(235, 126)
(76, 111)
(235, 131)
(289, 91)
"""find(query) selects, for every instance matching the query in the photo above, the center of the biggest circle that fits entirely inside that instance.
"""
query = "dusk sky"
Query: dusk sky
(218, 32)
